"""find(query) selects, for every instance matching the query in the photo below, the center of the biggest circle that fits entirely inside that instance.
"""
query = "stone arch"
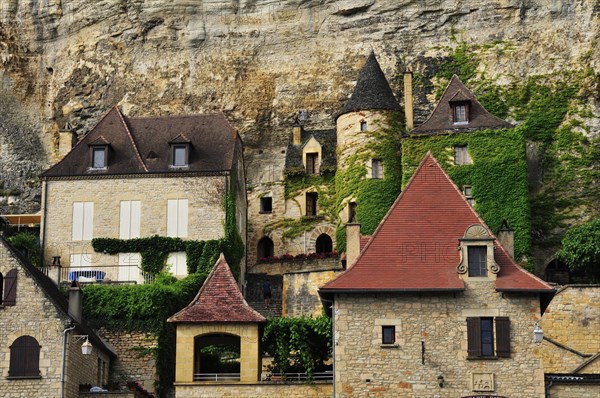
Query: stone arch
(328, 230)
(265, 248)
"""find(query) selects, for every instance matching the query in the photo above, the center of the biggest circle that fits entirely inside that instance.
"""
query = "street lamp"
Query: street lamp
(86, 347)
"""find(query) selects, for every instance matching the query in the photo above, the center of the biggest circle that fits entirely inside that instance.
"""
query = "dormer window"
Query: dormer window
(477, 254)
(180, 155)
(460, 113)
(99, 156)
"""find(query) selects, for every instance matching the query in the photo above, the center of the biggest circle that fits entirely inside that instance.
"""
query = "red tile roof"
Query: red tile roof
(415, 247)
(219, 300)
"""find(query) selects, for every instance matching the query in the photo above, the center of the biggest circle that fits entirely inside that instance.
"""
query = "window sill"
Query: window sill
(483, 358)
(23, 377)
(392, 345)
(265, 212)
(184, 167)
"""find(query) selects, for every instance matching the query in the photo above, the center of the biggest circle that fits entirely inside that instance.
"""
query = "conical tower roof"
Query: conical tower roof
(372, 90)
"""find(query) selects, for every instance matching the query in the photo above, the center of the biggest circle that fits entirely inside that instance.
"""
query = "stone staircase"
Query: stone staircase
(254, 295)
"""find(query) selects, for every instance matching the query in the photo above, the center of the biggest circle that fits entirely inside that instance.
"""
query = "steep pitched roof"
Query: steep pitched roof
(440, 119)
(372, 90)
(414, 246)
(328, 141)
(219, 300)
(141, 145)
(51, 291)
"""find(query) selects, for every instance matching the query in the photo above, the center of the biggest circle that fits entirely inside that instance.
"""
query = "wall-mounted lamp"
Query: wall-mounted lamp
(86, 347)
(538, 333)
(441, 381)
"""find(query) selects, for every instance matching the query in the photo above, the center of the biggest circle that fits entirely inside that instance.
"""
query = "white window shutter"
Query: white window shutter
(136, 218)
(182, 218)
(176, 263)
(172, 217)
(88, 220)
(77, 221)
(124, 225)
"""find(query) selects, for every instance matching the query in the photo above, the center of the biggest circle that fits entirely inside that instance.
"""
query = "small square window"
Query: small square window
(266, 204)
(460, 113)
(180, 155)
(98, 157)
(364, 126)
(376, 169)
(468, 194)
(388, 334)
(461, 155)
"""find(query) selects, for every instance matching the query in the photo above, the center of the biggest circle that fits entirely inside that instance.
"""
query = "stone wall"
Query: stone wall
(260, 390)
(572, 320)
(133, 362)
(206, 212)
(36, 315)
(300, 292)
(574, 391)
(431, 337)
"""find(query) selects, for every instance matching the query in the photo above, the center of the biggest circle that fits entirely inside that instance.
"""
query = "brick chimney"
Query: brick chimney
(352, 243)
(76, 302)
(408, 99)
(506, 237)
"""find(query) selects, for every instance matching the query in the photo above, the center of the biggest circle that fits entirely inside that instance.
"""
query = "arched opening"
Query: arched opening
(324, 244)
(265, 248)
(217, 357)
(557, 272)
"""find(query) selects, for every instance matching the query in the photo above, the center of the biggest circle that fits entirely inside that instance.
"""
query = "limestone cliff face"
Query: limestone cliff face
(258, 61)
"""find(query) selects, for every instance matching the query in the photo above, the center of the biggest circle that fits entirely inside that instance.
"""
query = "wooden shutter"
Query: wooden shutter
(182, 218)
(473, 337)
(25, 357)
(77, 221)
(88, 220)
(10, 288)
(503, 337)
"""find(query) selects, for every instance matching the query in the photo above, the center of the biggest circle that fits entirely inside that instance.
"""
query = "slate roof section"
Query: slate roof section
(414, 248)
(440, 120)
(372, 90)
(141, 145)
(218, 300)
(51, 291)
(328, 141)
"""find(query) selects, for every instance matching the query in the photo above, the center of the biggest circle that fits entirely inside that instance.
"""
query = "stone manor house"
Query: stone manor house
(427, 299)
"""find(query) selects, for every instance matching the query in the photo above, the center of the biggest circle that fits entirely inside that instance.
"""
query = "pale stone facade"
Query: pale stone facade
(300, 291)
(262, 390)
(35, 314)
(206, 212)
(431, 340)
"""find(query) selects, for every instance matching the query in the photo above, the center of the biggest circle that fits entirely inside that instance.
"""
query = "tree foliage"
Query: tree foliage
(581, 248)
(27, 243)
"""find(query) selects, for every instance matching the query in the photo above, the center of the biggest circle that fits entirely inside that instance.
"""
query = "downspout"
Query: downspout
(64, 354)
(44, 204)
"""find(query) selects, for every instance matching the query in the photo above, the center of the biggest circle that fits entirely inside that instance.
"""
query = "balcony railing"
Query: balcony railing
(216, 377)
(324, 376)
(122, 274)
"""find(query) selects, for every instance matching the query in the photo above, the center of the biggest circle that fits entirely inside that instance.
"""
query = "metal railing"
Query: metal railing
(216, 377)
(121, 274)
(325, 376)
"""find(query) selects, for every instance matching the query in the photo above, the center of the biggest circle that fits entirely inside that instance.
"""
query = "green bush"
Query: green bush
(28, 244)
(581, 249)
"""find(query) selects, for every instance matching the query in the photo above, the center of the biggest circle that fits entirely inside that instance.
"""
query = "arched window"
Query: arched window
(217, 357)
(24, 358)
(324, 244)
(265, 248)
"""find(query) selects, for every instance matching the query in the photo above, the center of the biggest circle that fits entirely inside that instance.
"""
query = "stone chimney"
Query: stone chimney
(352, 243)
(66, 140)
(408, 99)
(506, 237)
(76, 302)
(54, 270)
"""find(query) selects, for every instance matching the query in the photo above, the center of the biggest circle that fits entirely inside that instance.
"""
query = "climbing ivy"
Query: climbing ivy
(497, 177)
(373, 197)
(299, 344)
(144, 308)
(581, 249)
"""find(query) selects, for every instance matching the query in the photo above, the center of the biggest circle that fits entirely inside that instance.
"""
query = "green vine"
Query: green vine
(373, 197)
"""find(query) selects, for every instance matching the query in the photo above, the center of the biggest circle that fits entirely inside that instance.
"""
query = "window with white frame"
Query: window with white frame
(177, 218)
(177, 263)
(129, 267)
(180, 155)
(376, 169)
(461, 155)
(83, 220)
(99, 157)
(130, 219)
